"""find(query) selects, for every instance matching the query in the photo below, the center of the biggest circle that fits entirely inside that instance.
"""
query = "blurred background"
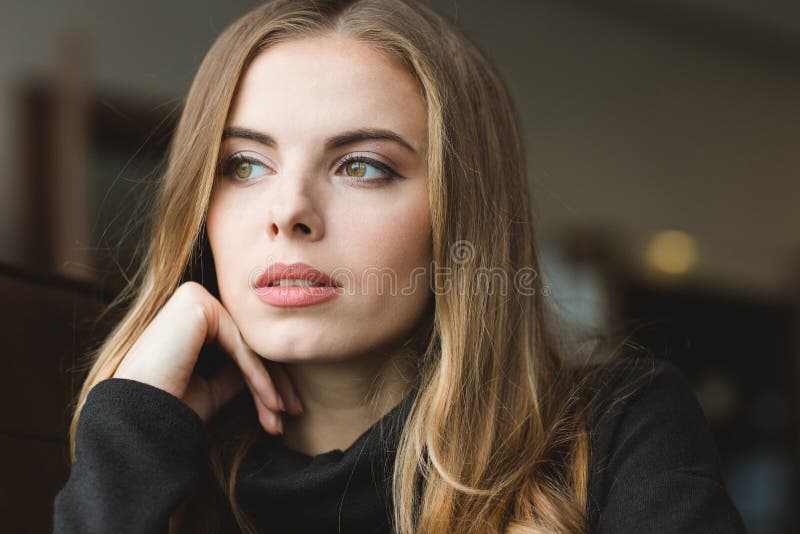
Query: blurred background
(662, 140)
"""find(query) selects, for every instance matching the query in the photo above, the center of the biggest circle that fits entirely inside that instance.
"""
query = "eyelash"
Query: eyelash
(390, 174)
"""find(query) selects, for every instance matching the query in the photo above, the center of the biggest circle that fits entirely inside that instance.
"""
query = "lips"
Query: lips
(295, 271)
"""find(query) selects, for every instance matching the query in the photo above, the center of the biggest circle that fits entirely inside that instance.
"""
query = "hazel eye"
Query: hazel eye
(358, 169)
(243, 168)
(366, 170)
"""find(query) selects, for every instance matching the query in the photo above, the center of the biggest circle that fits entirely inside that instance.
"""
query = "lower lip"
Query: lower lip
(285, 296)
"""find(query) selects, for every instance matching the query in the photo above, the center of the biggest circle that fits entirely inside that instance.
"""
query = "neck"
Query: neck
(343, 399)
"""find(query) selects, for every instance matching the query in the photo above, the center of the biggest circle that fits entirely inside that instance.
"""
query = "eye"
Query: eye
(242, 168)
(363, 169)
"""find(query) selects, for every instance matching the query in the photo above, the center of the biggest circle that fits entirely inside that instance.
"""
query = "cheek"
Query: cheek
(222, 236)
(388, 251)
(394, 238)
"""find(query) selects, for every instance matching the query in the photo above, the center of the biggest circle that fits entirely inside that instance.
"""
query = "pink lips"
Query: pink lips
(284, 296)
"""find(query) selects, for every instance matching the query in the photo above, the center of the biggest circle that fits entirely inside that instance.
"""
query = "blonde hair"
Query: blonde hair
(496, 439)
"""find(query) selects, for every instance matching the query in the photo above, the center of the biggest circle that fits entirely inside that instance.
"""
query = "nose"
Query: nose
(294, 212)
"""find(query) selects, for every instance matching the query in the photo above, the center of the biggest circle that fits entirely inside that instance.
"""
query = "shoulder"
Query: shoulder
(654, 463)
(646, 399)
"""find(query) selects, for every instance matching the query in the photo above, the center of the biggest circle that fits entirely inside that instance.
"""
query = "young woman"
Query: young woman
(370, 149)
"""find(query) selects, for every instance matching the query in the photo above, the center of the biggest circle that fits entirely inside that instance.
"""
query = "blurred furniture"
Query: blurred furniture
(47, 322)
(88, 163)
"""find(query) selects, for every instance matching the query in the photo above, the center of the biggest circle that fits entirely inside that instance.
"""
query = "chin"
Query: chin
(290, 344)
(285, 346)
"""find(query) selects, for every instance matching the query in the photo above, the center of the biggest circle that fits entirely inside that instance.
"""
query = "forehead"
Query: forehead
(322, 85)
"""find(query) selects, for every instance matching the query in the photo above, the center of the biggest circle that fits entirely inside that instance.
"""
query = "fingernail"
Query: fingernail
(280, 424)
(281, 404)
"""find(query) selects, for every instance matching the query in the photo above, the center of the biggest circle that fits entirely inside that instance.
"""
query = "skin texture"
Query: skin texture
(300, 203)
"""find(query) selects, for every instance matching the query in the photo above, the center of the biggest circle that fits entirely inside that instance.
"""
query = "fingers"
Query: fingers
(225, 385)
(285, 387)
(270, 421)
(222, 328)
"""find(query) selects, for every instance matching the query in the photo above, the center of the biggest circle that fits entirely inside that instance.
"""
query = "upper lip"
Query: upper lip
(295, 271)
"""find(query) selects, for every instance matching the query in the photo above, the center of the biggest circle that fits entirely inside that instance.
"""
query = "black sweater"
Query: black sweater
(141, 450)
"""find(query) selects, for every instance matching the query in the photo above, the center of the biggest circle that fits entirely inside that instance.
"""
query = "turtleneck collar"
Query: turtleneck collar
(283, 490)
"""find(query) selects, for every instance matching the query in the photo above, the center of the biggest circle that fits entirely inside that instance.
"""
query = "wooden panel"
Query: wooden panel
(45, 328)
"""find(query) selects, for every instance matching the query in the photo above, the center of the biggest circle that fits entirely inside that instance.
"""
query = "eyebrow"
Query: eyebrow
(345, 138)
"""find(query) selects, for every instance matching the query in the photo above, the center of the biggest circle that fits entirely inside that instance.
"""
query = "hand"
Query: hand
(166, 353)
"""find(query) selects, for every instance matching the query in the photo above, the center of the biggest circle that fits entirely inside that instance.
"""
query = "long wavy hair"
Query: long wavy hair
(497, 439)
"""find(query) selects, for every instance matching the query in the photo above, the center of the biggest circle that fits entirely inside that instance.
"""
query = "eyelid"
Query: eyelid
(365, 154)
(371, 157)
(226, 157)
(226, 154)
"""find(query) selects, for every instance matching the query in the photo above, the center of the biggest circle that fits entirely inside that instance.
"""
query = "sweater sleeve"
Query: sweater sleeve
(139, 452)
(658, 468)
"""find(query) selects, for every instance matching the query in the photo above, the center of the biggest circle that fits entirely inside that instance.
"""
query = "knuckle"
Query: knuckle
(192, 298)
(191, 291)
(264, 419)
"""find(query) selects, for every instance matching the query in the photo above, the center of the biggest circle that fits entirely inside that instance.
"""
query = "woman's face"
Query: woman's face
(300, 197)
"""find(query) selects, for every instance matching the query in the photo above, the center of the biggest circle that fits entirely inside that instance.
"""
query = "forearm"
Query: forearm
(139, 452)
